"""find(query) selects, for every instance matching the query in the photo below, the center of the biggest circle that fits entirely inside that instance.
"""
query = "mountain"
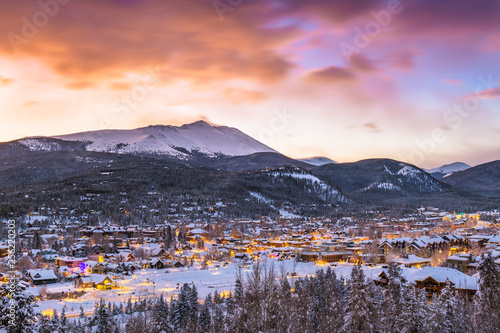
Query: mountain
(179, 142)
(482, 180)
(447, 169)
(379, 180)
(317, 160)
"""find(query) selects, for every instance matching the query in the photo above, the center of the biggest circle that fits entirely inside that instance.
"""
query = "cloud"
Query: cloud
(84, 43)
(329, 75)
(30, 103)
(361, 63)
(237, 95)
(372, 127)
(5, 81)
(489, 93)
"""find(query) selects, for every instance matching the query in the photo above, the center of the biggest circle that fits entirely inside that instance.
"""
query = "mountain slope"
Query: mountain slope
(447, 169)
(183, 142)
(380, 179)
(483, 180)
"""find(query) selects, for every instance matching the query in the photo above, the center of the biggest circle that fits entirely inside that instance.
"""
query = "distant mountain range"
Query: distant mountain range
(447, 169)
(316, 161)
(227, 164)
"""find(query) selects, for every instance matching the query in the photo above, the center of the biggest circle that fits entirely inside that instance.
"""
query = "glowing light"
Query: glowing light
(48, 312)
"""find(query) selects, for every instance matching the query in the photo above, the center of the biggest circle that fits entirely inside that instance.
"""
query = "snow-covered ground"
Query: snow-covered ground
(152, 283)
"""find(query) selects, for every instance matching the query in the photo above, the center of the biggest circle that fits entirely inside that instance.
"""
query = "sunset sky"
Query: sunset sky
(414, 80)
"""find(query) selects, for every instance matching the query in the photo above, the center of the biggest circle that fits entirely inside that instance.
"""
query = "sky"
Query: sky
(416, 81)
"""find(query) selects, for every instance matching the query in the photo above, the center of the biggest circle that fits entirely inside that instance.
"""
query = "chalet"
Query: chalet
(84, 282)
(434, 279)
(412, 261)
(333, 256)
(99, 268)
(106, 283)
(45, 276)
(309, 256)
(156, 264)
(68, 261)
(175, 264)
(460, 262)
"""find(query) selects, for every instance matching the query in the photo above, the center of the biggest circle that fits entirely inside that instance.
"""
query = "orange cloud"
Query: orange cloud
(237, 95)
(5, 81)
(83, 42)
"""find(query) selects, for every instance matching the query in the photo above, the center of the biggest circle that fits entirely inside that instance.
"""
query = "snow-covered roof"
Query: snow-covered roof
(42, 274)
(442, 274)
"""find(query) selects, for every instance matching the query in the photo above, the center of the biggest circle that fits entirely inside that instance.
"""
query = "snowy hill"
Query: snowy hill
(199, 138)
(448, 169)
(316, 161)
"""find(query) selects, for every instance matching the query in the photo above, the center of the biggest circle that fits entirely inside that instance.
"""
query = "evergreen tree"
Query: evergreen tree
(488, 296)
(103, 318)
(23, 318)
(415, 311)
(161, 314)
(129, 309)
(64, 325)
(357, 317)
(55, 321)
(205, 317)
(193, 306)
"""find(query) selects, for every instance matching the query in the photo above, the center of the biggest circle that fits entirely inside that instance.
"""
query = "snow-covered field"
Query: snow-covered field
(152, 283)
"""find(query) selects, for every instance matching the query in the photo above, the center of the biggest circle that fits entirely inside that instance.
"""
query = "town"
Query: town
(71, 264)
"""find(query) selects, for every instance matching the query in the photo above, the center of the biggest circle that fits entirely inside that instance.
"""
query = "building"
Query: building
(42, 276)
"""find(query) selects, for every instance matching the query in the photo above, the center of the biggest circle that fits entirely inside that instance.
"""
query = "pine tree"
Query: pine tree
(161, 314)
(44, 324)
(64, 325)
(193, 307)
(22, 303)
(218, 319)
(357, 317)
(415, 311)
(205, 317)
(129, 309)
(55, 321)
(488, 296)
(103, 318)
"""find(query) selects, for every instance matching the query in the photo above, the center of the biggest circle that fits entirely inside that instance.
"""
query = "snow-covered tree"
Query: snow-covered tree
(16, 309)
(357, 316)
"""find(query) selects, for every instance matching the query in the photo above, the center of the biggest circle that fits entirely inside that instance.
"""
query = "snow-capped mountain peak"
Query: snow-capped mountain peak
(448, 169)
(177, 141)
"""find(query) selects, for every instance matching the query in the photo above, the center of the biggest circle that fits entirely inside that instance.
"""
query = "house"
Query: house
(106, 283)
(412, 260)
(434, 279)
(175, 264)
(460, 262)
(99, 268)
(333, 256)
(42, 276)
(84, 282)
(157, 263)
(309, 256)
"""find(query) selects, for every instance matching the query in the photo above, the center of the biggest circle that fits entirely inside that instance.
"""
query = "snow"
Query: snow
(408, 171)
(150, 283)
(196, 137)
(260, 197)
(383, 186)
(35, 144)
